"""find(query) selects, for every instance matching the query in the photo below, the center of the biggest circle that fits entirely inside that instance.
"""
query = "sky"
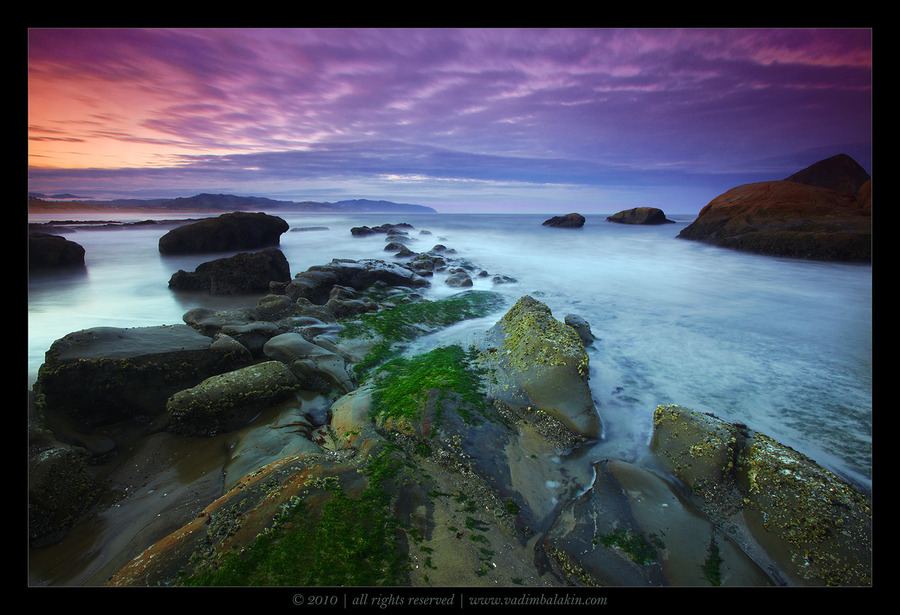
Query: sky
(462, 120)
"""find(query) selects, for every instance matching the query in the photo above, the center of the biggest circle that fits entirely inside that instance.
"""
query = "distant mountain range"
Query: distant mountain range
(230, 202)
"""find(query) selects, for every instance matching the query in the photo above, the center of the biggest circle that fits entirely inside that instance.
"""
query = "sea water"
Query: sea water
(783, 346)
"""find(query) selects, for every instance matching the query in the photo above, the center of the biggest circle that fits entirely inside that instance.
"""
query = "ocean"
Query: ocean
(783, 346)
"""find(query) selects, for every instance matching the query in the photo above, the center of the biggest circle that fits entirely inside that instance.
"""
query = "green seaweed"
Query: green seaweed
(407, 321)
(353, 542)
(640, 548)
(404, 384)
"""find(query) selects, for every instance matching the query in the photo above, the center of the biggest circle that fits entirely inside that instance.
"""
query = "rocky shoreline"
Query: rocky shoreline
(295, 443)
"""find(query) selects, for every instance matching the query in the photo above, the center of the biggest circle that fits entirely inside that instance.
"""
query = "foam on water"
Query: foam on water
(784, 346)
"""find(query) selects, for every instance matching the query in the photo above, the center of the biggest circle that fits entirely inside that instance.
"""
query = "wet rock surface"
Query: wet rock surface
(456, 466)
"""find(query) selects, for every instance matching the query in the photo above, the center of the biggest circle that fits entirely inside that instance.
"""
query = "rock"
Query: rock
(572, 220)
(582, 328)
(228, 401)
(47, 251)
(819, 524)
(815, 526)
(840, 173)
(109, 373)
(225, 233)
(789, 219)
(60, 489)
(317, 368)
(275, 307)
(640, 215)
(343, 302)
(315, 283)
(286, 435)
(244, 273)
(542, 362)
(630, 529)
(459, 278)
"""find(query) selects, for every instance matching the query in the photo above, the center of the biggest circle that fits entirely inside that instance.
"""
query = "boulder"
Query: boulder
(316, 368)
(816, 527)
(791, 219)
(108, 373)
(541, 362)
(459, 278)
(60, 489)
(243, 273)
(225, 233)
(582, 328)
(631, 529)
(47, 251)
(228, 401)
(640, 215)
(572, 220)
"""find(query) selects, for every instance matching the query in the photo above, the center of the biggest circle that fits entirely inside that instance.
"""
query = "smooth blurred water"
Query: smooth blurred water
(784, 346)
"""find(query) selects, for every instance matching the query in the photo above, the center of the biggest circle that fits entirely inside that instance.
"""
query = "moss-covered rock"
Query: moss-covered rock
(541, 362)
(818, 524)
(814, 526)
(108, 373)
(227, 401)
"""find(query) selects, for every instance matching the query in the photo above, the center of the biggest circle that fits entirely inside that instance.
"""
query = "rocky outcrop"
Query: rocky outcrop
(839, 173)
(47, 251)
(243, 273)
(315, 283)
(640, 215)
(790, 219)
(816, 527)
(225, 402)
(572, 220)
(225, 233)
(541, 362)
(109, 373)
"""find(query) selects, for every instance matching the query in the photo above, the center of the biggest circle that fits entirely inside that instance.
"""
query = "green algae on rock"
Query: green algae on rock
(541, 362)
(815, 526)
(823, 524)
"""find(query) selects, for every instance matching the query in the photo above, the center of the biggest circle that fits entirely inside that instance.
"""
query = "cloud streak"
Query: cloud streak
(522, 114)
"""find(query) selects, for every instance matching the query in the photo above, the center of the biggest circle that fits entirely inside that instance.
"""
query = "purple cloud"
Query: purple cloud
(525, 107)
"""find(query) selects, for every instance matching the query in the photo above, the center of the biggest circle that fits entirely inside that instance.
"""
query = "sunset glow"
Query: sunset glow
(481, 119)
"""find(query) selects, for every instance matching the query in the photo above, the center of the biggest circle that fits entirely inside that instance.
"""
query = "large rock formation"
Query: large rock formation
(225, 233)
(640, 215)
(791, 219)
(839, 173)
